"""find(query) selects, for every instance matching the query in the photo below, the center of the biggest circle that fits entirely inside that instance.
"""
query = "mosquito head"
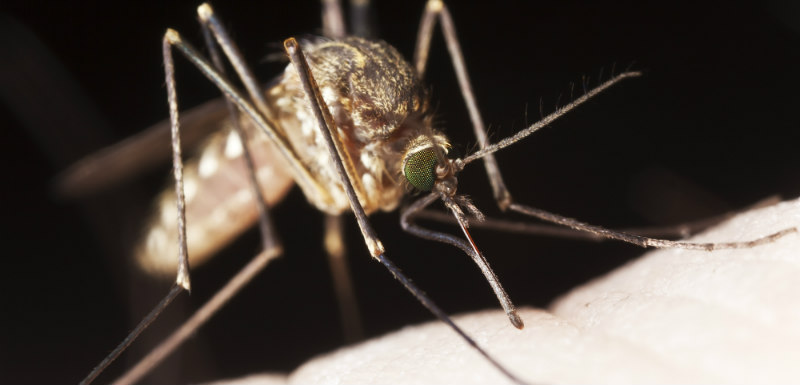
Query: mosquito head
(426, 167)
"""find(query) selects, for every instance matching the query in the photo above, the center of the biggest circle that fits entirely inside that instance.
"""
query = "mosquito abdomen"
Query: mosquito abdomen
(219, 201)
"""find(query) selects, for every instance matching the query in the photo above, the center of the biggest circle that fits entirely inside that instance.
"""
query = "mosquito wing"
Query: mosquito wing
(138, 154)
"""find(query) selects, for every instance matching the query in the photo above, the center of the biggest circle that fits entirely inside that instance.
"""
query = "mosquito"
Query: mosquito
(352, 144)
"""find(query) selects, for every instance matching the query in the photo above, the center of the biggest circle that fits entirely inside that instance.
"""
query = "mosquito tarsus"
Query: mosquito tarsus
(396, 126)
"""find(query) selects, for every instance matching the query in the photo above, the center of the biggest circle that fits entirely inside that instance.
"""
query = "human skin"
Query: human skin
(672, 316)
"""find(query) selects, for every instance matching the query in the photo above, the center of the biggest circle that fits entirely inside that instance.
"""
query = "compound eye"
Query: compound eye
(419, 167)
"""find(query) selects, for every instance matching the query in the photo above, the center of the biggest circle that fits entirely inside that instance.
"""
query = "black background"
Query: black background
(712, 126)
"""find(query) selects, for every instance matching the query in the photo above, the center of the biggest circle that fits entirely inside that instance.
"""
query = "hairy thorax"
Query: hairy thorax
(378, 105)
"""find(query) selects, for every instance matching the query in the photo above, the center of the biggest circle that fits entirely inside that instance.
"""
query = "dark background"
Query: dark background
(711, 127)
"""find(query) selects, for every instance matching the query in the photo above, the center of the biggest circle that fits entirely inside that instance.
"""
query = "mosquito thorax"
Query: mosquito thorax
(382, 116)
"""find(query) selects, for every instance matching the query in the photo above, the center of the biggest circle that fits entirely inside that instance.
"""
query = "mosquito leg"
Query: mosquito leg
(436, 9)
(362, 19)
(645, 241)
(300, 173)
(202, 315)
(182, 281)
(406, 221)
(327, 129)
(333, 24)
(545, 121)
(553, 231)
(268, 236)
(143, 324)
(342, 282)
(682, 230)
(599, 231)
(177, 168)
(507, 226)
(271, 246)
(209, 21)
